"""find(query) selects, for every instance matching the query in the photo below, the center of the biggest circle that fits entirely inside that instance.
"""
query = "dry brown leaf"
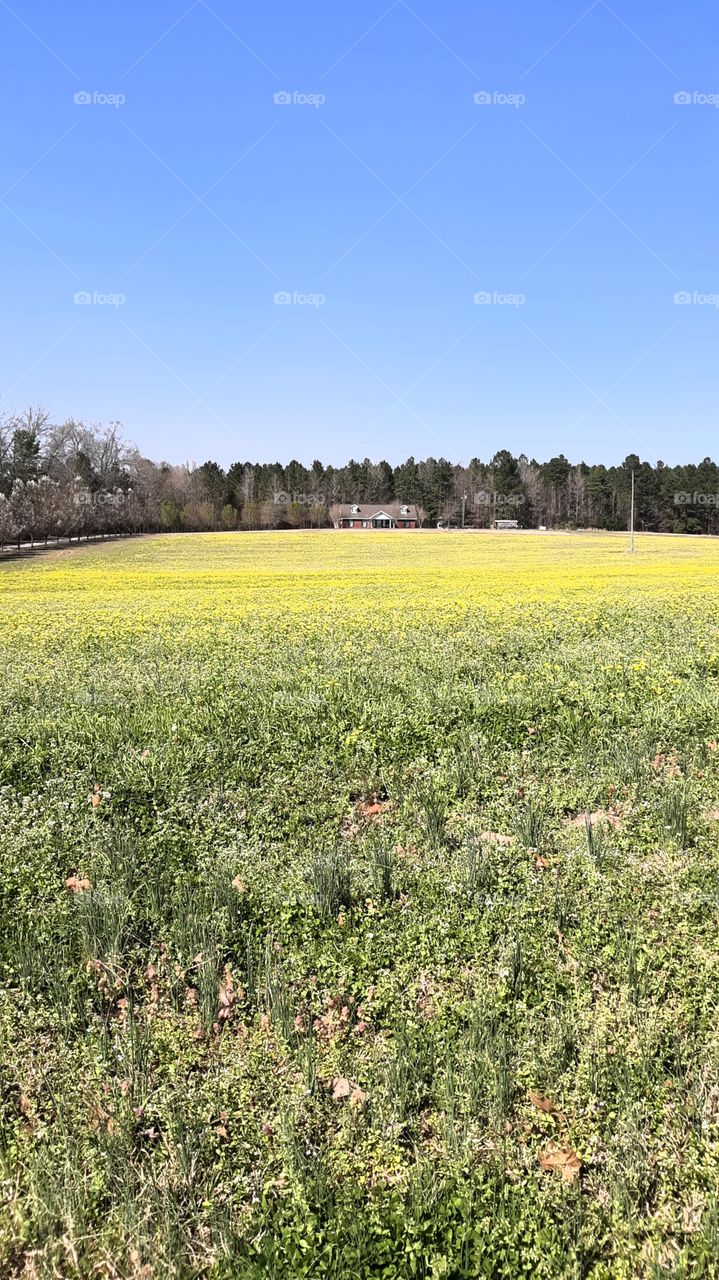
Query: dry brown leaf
(554, 1159)
(496, 837)
(341, 1088)
(541, 863)
(405, 851)
(227, 995)
(358, 1097)
(78, 884)
(372, 809)
(239, 884)
(612, 817)
(692, 1215)
(543, 1104)
(95, 797)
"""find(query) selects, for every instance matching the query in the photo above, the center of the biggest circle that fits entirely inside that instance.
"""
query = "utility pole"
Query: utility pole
(631, 519)
(464, 499)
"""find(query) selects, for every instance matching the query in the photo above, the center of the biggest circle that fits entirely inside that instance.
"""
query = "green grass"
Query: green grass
(346, 912)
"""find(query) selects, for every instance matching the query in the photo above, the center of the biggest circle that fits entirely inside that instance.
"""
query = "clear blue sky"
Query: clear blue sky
(397, 199)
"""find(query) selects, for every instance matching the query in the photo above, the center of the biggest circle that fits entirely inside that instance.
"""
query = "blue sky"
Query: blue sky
(581, 198)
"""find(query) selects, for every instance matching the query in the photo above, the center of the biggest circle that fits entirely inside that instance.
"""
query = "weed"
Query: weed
(330, 883)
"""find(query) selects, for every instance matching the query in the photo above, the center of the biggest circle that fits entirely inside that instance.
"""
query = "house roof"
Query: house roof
(368, 510)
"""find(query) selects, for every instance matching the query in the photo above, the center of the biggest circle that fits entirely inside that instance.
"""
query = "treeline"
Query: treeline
(81, 480)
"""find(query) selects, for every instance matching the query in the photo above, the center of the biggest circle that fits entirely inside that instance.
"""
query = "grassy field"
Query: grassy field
(358, 907)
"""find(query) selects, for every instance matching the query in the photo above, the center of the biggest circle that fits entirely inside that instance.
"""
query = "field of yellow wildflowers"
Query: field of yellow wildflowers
(358, 907)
